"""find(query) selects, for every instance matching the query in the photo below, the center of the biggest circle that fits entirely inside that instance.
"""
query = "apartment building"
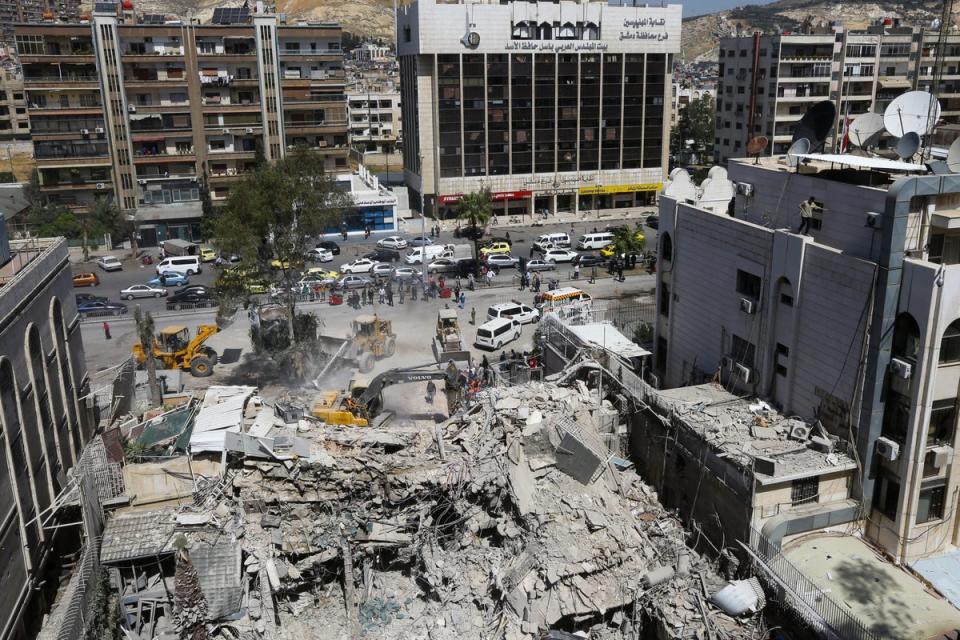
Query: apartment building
(374, 120)
(551, 106)
(767, 82)
(45, 422)
(145, 110)
(854, 326)
(14, 120)
(14, 11)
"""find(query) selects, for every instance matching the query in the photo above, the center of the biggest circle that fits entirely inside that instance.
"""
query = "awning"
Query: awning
(144, 116)
(895, 83)
(608, 337)
(946, 219)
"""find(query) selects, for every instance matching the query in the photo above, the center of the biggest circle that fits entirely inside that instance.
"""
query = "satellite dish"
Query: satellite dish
(716, 172)
(865, 129)
(799, 146)
(676, 172)
(908, 145)
(815, 125)
(953, 157)
(915, 111)
(757, 145)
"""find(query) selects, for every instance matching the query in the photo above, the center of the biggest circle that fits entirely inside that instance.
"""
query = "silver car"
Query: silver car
(353, 282)
(405, 273)
(501, 260)
(442, 265)
(540, 265)
(142, 291)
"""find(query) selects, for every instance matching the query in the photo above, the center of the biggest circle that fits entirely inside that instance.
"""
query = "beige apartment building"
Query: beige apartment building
(767, 82)
(145, 109)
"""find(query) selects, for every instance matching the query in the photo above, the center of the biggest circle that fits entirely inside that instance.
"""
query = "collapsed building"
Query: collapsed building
(515, 518)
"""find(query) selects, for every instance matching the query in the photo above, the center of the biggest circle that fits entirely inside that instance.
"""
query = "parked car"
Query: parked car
(195, 288)
(392, 242)
(319, 255)
(276, 264)
(522, 313)
(88, 297)
(589, 260)
(501, 260)
(85, 279)
(442, 265)
(653, 222)
(319, 273)
(405, 273)
(420, 241)
(207, 254)
(142, 291)
(170, 279)
(383, 255)
(540, 265)
(493, 240)
(469, 232)
(496, 333)
(353, 282)
(102, 307)
(560, 255)
(496, 247)
(360, 265)
(329, 245)
(382, 270)
(189, 296)
(110, 263)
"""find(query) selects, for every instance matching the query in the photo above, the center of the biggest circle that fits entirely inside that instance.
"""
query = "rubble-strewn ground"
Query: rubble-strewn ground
(472, 528)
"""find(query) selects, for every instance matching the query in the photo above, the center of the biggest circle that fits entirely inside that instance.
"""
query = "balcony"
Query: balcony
(61, 80)
(153, 50)
(316, 126)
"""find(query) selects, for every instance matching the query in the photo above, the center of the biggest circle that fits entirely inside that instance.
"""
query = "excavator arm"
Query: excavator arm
(371, 394)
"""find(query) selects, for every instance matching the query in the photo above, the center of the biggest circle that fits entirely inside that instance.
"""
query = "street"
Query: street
(521, 237)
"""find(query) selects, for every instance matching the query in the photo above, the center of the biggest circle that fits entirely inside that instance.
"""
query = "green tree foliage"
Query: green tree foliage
(627, 241)
(275, 213)
(87, 226)
(695, 123)
(476, 211)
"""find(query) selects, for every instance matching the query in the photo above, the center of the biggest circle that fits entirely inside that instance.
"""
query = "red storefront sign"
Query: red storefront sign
(497, 195)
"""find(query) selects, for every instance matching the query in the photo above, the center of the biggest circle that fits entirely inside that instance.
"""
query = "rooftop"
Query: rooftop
(750, 434)
(27, 254)
(869, 172)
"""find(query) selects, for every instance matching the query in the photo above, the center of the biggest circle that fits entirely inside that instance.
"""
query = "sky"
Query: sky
(699, 7)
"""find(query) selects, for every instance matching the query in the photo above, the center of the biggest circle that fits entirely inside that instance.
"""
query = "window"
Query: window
(804, 490)
(943, 417)
(749, 284)
(930, 505)
(666, 248)
(661, 355)
(950, 344)
(742, 352)
(906, 337)
(786, 299)
(664, 300)
(896, 416)
(886, 496)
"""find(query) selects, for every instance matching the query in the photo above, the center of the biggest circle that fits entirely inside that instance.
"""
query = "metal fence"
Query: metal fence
(801, 597)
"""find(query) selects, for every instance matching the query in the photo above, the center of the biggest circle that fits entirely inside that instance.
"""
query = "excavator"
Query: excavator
(173, 348)
(360, 403)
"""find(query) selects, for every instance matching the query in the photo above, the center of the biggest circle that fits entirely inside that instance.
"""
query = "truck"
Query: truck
(178, 248)
(457, 251)
(448, 343)
(424, 255)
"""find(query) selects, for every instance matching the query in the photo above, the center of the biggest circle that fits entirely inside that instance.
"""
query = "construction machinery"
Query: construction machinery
(360, 403)
(448, 343)
(173, 348)
(371, 339)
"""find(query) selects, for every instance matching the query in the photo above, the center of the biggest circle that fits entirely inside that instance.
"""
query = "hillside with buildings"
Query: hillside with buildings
(702, 33)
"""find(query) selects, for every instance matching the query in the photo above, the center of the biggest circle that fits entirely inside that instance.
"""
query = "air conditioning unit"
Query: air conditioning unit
(872, 220)
(888, 449)
(745, 188)
(141, 182)
(101, 185)
(131, 108)
(726, 363)
(249, 129)
(99, 131)
(901, 368)
(800, 432)
(743, 372)
(747, 305)
(226, 129)
(653, 380)
(84, 132)
(942, 456)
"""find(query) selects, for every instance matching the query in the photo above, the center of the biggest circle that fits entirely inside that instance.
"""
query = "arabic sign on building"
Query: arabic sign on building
(644, 29)
(620, 188)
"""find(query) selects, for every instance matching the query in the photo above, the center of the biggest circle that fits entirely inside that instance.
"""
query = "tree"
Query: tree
(209, 213)
(99, 219)
(476, 211)
(145, 331)
(259, 156)
(274, 214)
(695, 123)
(627, 241)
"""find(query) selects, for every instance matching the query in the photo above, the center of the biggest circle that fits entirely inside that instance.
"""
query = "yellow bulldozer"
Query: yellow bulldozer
(173, 348)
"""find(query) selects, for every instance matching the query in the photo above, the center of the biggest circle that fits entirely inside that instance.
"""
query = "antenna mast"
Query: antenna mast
(946, 21)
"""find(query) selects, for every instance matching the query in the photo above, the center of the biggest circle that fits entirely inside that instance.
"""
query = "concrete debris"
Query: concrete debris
(518, 518)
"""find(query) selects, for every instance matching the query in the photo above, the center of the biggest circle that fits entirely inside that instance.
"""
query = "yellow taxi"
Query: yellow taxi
(496, 247)
(207, 254)
(277, 264)
(319, 273)
(611, 250)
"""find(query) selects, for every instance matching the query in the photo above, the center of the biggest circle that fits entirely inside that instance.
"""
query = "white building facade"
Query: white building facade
(552, 106)
(374, 120)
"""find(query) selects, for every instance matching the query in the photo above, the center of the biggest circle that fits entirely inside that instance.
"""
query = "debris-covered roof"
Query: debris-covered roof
(142, 535)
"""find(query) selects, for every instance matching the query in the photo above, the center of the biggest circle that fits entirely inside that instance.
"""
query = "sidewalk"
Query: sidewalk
(588, 217)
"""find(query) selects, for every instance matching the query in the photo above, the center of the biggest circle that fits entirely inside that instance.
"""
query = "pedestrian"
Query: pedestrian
(463, 299)
(431, 391)
(470, 282)
(402, 291)
(593, 274)
(522, 280)
(484, 362)
(473, 318)
(413, 291)
(532, 251)
(576, 272)
(807, 209)
(106, 330)
(442, 282)
(620, 270)
(507, 235)
(390, 296)
(456, 290)
(364, 291)
(536, 283)
(343, 233)
(383, 294)
(458, 282)
(489, 277)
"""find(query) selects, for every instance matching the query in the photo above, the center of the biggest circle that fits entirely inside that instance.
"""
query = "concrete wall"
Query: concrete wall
(44, 426)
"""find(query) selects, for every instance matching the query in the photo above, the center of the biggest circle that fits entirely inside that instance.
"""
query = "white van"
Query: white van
(552, 241)
(595, 240)
(187, 265)
(430, 252)
(496, 333)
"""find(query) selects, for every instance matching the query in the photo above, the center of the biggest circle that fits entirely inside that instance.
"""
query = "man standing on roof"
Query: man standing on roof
(807, 208)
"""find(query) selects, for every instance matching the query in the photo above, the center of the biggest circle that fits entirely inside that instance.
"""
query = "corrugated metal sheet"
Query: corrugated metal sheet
(143, 535)
(218, 568)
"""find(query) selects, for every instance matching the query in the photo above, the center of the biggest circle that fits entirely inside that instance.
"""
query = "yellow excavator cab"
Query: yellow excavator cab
(336, 408)
(174, 349)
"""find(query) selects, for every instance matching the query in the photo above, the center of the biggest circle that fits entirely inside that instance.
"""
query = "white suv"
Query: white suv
(360, 265)
(110, 263)
(392, 242)
(514, 311)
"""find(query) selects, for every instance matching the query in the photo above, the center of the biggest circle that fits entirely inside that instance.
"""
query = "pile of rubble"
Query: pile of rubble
(515, 518)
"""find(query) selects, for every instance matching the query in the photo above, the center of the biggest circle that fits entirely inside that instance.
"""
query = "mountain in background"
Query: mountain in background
(701, 34)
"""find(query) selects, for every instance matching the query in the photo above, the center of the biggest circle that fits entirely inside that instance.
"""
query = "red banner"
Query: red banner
(497, 195)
